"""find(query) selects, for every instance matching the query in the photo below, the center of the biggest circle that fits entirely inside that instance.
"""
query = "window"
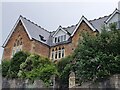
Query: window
(56, 53)
(63, 52)
(59, 53)
(55, 39)
(53, 54)
(64, 37)
(17, 45)
(60, 39)
(20, 41)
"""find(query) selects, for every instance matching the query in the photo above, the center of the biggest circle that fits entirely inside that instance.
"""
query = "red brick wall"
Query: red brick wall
(70, 47)
(19, 31)
(41, 49)
(82, 28)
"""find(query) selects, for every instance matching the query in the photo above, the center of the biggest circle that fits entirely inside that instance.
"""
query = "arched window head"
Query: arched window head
(59, 48)
(56, 49)
(52, 49)
(20, 41)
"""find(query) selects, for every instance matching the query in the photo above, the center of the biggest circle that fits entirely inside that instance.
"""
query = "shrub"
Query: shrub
(98, 57)
(65, 65)
(16, 61)
(37, 67)
(5, 67)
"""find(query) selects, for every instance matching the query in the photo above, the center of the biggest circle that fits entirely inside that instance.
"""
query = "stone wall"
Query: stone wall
(19, 83)
(111, 82)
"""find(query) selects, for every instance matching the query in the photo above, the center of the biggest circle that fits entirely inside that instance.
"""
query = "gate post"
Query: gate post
(72, 80)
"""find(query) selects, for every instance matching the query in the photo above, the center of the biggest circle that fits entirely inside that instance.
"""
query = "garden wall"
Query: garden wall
(111, 82)
(19, 83)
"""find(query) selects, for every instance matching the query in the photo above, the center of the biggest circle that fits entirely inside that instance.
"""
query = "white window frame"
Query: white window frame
(53, 55)
(59, 39)
(64, 37)
(59, 54)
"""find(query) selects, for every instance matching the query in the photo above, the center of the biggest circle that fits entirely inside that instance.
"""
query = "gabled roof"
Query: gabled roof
(19, 19)
(40, 34)
(109, 18)
(33, 30)
(86, 21)
(98, 23)
(59, 28)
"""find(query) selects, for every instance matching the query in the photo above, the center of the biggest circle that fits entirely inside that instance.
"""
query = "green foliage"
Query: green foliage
(98, 57)
(17, 59)
(5, 67)
(65, 65)
(36, 67)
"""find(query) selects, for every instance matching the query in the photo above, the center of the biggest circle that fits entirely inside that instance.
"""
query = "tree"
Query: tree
(37, 67)
(98, 57)
(15, 63)
(5, 67)
(64, 66)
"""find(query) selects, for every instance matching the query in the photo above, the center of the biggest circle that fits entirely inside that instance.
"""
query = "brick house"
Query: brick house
(28, 36)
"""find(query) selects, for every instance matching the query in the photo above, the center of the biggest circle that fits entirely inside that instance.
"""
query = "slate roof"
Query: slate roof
(40, 34)
(70, 29)
(35, 31)
(99, 23)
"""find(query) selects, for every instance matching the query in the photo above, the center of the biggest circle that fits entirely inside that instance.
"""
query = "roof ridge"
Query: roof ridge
(69, 26)
(34, 23)
(100, 18)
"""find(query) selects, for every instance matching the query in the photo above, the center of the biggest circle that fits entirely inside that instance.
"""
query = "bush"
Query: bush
(5, 67)
(36, 67)
(16, 61)
(65, 65)
(98, 57)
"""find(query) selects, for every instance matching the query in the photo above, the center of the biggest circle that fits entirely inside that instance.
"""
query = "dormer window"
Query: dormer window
(64, 37)
(55, 39)
(60, 39)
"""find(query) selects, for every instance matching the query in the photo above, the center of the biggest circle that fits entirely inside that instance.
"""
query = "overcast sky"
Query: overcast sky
(50, 15)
